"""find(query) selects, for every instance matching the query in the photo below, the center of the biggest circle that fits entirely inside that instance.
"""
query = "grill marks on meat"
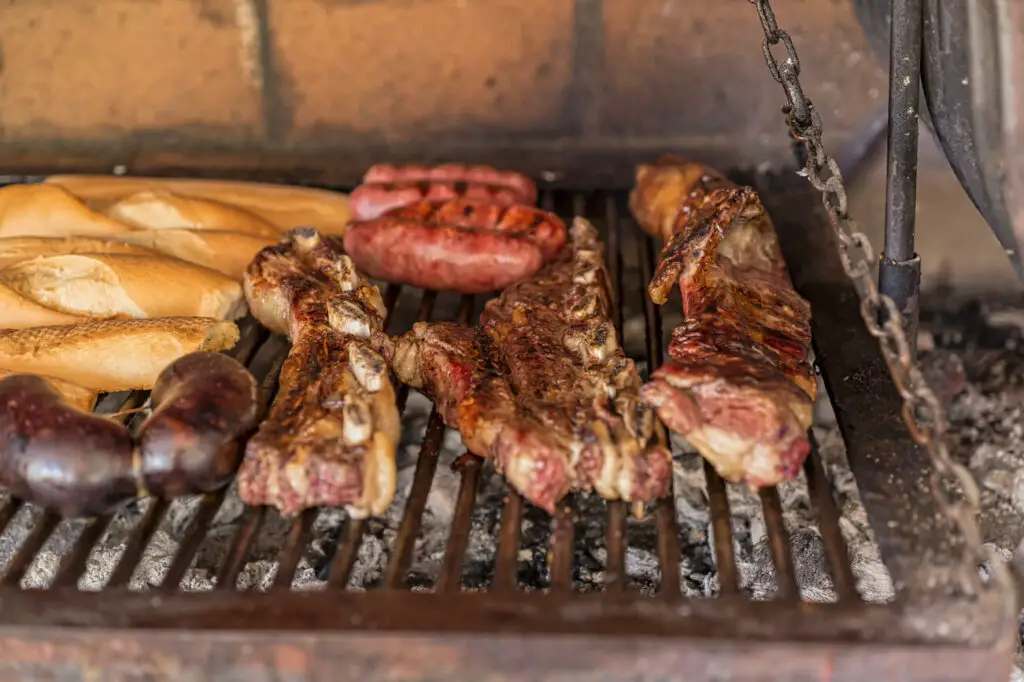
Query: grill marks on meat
(542, 388)
(458, 245)
(330, 436)
(737, 383)
(386, 187)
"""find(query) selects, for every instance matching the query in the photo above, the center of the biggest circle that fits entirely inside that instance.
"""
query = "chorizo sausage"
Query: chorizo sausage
(59, 457)
(204, 404)
(465, 246)
(387, 187)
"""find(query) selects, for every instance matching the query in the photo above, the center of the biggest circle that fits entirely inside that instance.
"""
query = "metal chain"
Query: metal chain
(922, 412)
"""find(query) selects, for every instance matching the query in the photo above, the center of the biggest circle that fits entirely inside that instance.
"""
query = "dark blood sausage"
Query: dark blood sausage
(386, 187)
(465, 246)
(204, 404)
(59, 457)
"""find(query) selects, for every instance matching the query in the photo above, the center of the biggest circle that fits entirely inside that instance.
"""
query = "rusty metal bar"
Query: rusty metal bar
(426, 465)
(778, 537)
(563, 536)
(615, 533)
(37, 537)
(73, 564)
(451, 569)
(665, 509)
(828, 523)
(193, 537)
(721, 523)
(246, 534)
(507, 561)
(137, 542)
(615, 547)
(347, 553)
(291, 552)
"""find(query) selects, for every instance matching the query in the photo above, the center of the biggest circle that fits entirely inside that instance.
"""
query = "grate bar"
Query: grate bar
(227, 576)
(507, 561)
(721, 520)
(563, 534)
(37, 537)
(140, 537)
(192, 539)
(291, 552)
(73, 563)
(782, 555)
(828, 522)
(450, 579)
(615, 546)
(250, 337)
(401, 559)
(345, 559)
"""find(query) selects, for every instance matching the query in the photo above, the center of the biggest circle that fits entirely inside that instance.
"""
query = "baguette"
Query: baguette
(227, 252)
(18, 312)
(122, 285)
(80, 398)
(112, 355)
(49, 211)
(285, 206)
(163, 210)
(14, 249)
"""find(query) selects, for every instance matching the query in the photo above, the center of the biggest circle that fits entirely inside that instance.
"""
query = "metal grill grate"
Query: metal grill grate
(887, 466)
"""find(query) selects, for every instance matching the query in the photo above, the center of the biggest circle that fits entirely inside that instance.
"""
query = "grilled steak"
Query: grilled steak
(542, 388)
(467, 246)
(737, 384)
(330, 436)
(387, 187)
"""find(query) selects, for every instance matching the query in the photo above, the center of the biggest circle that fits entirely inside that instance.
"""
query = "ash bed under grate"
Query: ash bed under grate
(490, 562)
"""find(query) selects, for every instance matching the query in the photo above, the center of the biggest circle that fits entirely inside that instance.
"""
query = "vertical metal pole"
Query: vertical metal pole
(899, 274)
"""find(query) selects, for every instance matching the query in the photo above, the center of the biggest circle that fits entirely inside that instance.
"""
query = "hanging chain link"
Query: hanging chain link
(922, 412)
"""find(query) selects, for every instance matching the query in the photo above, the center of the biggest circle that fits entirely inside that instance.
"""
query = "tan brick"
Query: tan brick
(404, 69)
(81, 69)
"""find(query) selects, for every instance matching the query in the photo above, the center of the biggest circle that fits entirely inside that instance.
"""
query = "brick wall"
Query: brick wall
(307, 84)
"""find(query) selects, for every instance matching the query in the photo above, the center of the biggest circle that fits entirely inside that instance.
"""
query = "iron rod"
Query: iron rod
(899, 274)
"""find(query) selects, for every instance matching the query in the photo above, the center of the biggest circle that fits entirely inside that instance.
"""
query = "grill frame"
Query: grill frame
(504, 633)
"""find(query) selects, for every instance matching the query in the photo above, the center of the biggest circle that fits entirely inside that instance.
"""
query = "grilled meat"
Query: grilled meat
(387, 187)
(542, 388)
(331, 434)
(737, 383)
(467, 246)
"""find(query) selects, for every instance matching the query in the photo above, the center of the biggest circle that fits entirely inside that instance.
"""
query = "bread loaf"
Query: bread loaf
(122, 285)
(111, 355)
(162, 210)
(18, 312)
(14, 249)
(282, 205)
(78, 397)
(49, 211)
(227, 252)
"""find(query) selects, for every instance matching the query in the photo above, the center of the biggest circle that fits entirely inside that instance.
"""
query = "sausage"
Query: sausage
(386, 187)
(204, 404)
(465, 246)
(59, 457)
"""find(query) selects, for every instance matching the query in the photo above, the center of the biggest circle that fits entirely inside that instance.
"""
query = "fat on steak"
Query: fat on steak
(330, 436)
(737, 384)
(541, 386)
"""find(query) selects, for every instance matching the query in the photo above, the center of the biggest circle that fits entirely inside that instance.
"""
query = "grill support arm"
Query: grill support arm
(899, 275)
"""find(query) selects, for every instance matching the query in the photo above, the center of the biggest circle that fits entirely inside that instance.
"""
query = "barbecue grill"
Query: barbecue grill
(529, 627)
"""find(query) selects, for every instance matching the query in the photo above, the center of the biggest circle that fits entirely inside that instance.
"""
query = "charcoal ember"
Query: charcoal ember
(945, 373)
